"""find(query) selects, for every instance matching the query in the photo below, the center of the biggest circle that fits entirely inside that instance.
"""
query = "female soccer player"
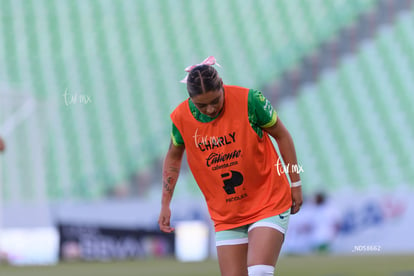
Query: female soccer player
(225, 132)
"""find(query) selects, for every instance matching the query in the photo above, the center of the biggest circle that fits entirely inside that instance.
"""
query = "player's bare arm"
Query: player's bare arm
(287, 149)
(171, 170)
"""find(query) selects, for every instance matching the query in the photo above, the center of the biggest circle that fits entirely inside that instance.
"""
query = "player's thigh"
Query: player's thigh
(266, 238)
(233, 259)
(264, 246)
(232, 251)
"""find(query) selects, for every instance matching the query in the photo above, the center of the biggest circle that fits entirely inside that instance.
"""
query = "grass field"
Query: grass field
(288, 265)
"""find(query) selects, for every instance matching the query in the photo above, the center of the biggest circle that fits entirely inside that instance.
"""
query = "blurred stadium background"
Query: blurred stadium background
(86, 88)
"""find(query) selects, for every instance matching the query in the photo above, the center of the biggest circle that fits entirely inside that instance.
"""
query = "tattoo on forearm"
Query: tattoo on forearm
(169, 184)
(170, 178)
(168, 188)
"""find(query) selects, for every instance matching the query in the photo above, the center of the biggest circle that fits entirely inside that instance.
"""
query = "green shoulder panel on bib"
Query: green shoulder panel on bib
(261, 112)
(176, 137)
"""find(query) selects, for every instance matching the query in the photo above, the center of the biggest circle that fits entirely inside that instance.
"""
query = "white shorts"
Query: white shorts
(239, 235)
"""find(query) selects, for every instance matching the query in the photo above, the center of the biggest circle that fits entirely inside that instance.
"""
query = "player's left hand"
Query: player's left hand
(297, 199)
(2, 146)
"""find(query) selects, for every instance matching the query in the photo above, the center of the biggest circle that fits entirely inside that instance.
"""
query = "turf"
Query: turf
(288, 265)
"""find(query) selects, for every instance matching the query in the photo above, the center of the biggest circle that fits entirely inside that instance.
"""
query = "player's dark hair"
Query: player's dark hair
(202, 79)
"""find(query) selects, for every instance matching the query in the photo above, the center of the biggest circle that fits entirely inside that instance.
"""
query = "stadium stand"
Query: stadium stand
(105, 75)
(354, 125)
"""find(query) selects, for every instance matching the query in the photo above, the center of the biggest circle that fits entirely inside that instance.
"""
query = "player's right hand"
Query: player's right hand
(164, 220)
